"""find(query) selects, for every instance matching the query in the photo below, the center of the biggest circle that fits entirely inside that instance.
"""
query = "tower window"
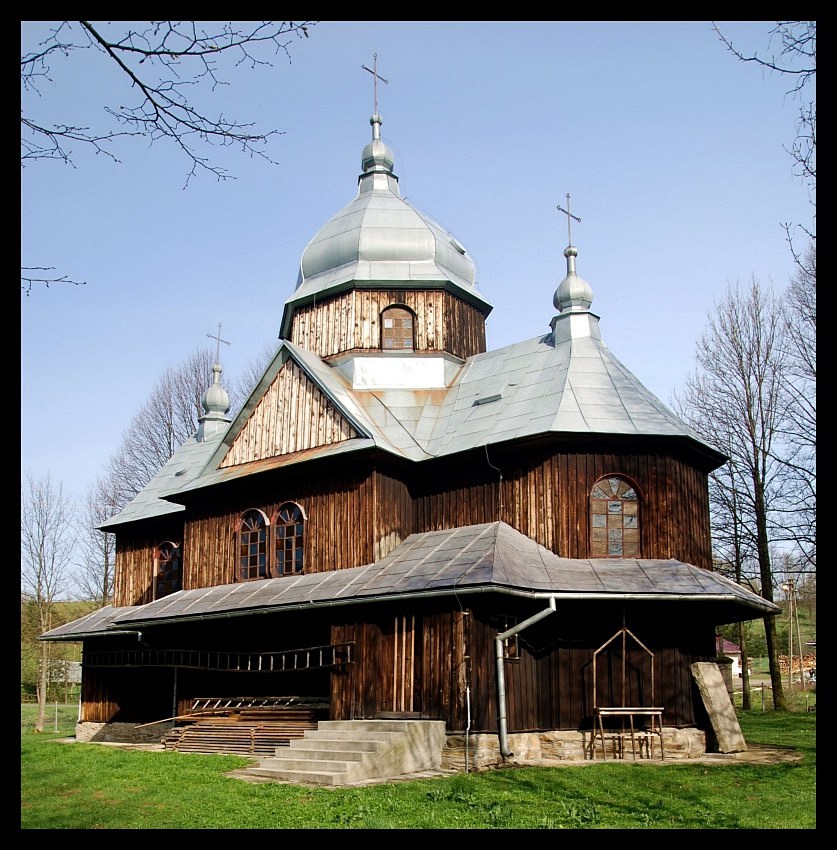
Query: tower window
(397, 329)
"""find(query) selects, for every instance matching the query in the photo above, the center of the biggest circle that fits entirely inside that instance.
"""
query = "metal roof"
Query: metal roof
(491, 557)
(566, 382)
(381, 239)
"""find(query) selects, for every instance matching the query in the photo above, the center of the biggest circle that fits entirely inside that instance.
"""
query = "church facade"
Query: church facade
(399, 523)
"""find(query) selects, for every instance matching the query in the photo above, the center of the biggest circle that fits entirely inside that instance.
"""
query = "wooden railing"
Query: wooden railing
(309, 658)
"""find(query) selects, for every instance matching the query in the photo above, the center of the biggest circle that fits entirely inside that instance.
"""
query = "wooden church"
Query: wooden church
(401, 526)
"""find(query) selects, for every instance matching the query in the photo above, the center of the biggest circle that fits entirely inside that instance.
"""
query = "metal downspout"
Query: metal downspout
(501, 675)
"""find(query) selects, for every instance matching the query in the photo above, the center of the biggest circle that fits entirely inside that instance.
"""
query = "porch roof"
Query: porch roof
(492, 557)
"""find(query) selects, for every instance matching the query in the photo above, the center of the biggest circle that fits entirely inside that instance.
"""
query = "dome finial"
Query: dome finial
(376, 118)
(215, 401)
(574, 293)
(218, 342)
(570, 216)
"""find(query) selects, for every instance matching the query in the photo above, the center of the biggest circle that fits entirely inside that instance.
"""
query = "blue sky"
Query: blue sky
(672, 150)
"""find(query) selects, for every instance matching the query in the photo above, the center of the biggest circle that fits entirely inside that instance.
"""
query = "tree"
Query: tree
(170, 69)
(799, 519)
(97, 548)
(47, 541)
(736, 401)
(792, 52)
(161, 426)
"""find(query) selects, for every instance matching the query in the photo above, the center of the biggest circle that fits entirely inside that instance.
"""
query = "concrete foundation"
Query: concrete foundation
(121, 733)
(481, 752)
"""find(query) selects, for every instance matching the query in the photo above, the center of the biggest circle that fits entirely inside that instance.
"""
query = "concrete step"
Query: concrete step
(303, 777)
(348, 751)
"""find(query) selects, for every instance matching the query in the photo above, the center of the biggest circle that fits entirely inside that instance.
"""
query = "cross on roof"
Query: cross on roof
(218, 342)
(569, 221)
(375, 76)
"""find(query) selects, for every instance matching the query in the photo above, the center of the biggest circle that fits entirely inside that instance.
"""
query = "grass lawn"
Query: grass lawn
(79, 786)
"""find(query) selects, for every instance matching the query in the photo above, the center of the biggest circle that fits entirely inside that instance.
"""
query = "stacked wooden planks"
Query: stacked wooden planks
(248, 731)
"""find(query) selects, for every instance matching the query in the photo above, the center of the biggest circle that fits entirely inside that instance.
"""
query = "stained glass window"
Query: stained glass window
(614, 519)
(168, 563)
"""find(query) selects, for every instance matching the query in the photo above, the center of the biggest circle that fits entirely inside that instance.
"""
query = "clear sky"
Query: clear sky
(672, 150)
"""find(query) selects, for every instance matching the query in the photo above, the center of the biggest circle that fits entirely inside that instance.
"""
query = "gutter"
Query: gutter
(501, 675)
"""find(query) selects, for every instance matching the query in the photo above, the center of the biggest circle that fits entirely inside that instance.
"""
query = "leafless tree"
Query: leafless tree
(97, 548)
(791, 52)
(170, 69)
(736, 400)
(47, 532)
(167, 419)
(247, 380)
(800, 425)
(165, 65)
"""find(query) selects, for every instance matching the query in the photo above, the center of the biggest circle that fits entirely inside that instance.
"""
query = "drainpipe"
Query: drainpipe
(501, 676)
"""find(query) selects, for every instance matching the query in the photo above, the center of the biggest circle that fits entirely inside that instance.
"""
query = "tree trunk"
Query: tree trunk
(43, 684)
(745, 668)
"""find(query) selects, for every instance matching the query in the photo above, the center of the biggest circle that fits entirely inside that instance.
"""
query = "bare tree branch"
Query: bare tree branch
(164, 64)
(28, 281)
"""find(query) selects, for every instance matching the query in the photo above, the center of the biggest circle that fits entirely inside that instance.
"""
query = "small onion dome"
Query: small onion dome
(215, 400)
(377, 155)
(574, 293)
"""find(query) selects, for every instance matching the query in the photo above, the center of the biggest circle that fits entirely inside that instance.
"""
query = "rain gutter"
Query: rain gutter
(501, 674)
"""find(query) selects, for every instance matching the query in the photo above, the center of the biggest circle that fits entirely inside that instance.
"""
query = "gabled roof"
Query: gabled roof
(491, 557)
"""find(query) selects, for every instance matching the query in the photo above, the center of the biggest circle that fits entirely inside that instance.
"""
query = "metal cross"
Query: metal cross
(569, 221)
(218, 342)
(376, 76)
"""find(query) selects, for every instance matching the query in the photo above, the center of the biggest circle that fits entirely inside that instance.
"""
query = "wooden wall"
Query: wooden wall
(549, 686)
(356, 516)
(353, 517)
(293, 415)
(351, 321)
(134, 567)
(544, 494)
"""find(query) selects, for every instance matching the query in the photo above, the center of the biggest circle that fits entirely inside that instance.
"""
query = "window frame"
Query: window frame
(383, 317)
(161, 570)
(297, 547)
(244, 572)
(608, 499)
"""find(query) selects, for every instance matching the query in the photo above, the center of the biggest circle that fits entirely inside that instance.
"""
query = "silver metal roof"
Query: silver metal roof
(491, 557)
(566, 382)
(381, 239)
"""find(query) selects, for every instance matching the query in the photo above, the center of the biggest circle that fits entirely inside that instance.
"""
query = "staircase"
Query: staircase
(344, 752)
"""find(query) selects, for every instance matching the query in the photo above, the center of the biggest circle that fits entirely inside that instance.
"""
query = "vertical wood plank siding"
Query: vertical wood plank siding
(351, 519)
(546, 497)
(292, 416)
(356, 518)
(443, 322)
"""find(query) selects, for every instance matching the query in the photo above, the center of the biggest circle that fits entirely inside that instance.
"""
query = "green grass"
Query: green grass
(77, 786)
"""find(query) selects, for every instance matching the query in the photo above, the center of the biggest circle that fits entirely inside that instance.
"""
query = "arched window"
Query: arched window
(614, 519)
(290, 530)
(167, 564)
(397, 329)
(252, 546)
